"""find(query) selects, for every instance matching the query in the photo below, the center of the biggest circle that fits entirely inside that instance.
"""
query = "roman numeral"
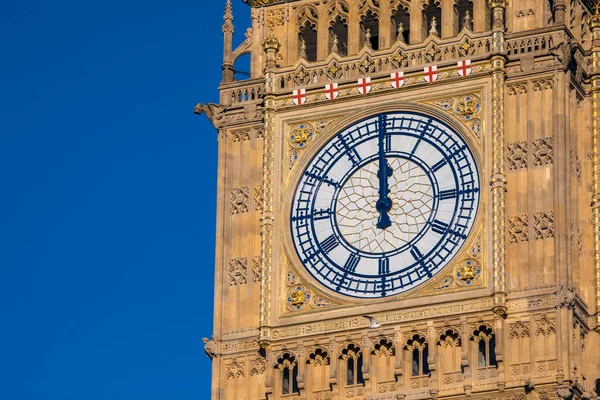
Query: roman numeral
(329, 244)
(439, 165)
(416, 253)
(447, 194)
(384, 266)
(439, 227)
(322, 214)
(351, 263)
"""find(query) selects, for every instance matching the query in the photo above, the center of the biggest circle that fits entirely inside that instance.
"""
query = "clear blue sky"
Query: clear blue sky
(107, 202)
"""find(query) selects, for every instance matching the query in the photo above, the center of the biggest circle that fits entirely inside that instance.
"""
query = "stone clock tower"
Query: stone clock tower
(408, 201)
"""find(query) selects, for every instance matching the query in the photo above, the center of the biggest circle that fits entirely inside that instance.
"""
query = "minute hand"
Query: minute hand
(384, 204)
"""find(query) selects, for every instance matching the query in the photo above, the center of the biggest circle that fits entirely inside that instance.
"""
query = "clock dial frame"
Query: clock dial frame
(340, 263)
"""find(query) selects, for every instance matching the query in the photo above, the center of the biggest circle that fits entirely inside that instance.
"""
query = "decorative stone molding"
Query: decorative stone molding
(543, 151)
(258, 198)
(543, 225)
(234, 370)
(238, 271)
(517, 228)
(238, 200)
(516, 155)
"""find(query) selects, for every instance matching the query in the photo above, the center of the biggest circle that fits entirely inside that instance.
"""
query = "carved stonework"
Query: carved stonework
(516, 155)
(543, 225)
(542, 151)
(238, 200)
(299, 296)
(466, 108)
(240, 136)
(256, 269)
(234, 370)
(237, 271)
(258, 197)
(257, 367)
(517, 228)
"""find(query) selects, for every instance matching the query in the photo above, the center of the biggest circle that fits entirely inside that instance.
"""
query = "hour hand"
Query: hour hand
(384, 204)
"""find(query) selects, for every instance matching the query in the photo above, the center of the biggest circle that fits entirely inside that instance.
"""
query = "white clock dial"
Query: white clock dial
(385, 205)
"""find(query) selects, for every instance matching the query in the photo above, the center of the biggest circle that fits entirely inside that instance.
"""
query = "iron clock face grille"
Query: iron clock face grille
(431, 182)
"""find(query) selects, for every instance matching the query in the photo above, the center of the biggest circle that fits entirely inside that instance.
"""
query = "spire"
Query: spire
(467, 21)
(228, 18)
(228, 43)
(433, 30)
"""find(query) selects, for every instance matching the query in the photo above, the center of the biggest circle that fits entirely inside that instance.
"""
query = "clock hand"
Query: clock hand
(384, 204)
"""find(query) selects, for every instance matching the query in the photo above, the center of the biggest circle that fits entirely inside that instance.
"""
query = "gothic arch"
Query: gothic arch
(384, 347)
(306, 13)
(336, 9)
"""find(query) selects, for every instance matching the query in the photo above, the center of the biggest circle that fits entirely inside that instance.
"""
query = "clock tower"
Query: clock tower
(408, 201)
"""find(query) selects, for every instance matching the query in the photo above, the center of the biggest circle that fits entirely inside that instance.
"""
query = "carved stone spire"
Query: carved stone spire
(228, 18)
(368, 38)
(228, 43)
(334, 47)
(400, 32)
(433, 30)
(303, 48)
(467, 21)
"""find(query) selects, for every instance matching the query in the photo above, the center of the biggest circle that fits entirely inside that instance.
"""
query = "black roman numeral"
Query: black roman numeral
(439, 227)
(439, 165)
(351, 263)
(384, 266)
(329, 244)
(447, 194)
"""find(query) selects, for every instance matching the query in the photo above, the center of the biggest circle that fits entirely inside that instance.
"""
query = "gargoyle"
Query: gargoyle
(563, 52)
(210, 348)
(213, 111)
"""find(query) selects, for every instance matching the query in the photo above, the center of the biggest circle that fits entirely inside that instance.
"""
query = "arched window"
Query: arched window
(382, 362)
(449, 353)
(307, 42)
(464, 10)
(433, 17)
(419, 352)
(486, 347)
(318, 371)
(370, 30)
(352, 357)
(288, 368)
(338, 37)
(401, 24)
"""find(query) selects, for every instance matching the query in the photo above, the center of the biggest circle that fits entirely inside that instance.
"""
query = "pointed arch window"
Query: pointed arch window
(370, 30)
(318, 372)
(464, 9)
(338, 37)
(307, 42)
(401, 24)
(288, 368)
(352, 358)
(485, 340)
(419, 352)
(433, 17)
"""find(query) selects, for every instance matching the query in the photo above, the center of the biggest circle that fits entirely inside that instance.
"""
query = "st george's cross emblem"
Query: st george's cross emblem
(464, 67)
(431, 73)
(397, 79)
(299, 96)
(331, 91)
(364, 85)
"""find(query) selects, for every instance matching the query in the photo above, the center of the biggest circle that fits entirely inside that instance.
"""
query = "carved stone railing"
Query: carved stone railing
(399, 56)
(524, 42)
(241, 92)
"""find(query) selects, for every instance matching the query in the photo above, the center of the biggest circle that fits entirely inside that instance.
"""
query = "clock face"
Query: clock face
(385, 205)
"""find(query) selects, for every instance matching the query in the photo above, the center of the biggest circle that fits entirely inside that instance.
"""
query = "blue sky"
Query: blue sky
(107, 202)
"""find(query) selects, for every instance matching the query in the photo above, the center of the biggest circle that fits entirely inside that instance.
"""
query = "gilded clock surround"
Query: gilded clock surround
(426, 289)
